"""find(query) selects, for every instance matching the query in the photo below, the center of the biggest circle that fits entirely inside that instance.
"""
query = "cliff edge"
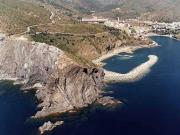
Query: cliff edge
(61, 84)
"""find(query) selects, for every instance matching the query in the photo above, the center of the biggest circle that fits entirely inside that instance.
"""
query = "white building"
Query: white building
(94, 19)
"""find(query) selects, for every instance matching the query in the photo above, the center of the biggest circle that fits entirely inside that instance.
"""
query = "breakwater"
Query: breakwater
(134, 75)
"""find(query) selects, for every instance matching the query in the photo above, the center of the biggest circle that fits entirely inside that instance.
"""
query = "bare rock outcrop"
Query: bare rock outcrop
(72, 89)
(61, 84)
(108, 101)
(49, 126)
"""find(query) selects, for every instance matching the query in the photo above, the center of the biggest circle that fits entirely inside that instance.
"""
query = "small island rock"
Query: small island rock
(49, 126)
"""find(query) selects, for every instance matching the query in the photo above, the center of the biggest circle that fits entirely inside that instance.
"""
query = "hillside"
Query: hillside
(85, 6)
(48, 51)
(85, 42)
(43, 23)
(161, 10)
(17, 15)
(50, 71)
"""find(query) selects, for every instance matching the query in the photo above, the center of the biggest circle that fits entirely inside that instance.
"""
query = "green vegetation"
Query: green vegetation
(82, 42)
(17, 15)
(65, 43)
(75, 28)
(87, 46)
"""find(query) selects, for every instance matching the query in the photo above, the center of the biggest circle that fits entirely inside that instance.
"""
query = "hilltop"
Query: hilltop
(85, 6)
(161, 10)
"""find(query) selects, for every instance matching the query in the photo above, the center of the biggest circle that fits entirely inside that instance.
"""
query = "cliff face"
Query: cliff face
(61, 84)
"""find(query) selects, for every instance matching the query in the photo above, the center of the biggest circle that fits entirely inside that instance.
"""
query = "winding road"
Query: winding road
(51, 18)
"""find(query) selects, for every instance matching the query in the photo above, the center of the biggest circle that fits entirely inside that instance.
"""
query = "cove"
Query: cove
(151, 105)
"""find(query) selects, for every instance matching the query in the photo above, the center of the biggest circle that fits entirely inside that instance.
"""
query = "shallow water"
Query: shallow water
(151, 105)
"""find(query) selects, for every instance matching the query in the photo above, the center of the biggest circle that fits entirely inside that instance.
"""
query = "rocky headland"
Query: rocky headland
(61, 84)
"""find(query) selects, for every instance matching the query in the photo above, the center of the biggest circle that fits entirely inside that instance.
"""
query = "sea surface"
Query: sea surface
(151, 106)
(16, 107)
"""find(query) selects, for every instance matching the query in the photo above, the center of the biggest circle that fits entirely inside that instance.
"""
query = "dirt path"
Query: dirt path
(28, 29)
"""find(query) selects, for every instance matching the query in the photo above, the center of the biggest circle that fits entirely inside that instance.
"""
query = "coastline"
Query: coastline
(134, 75)
(169, 36)
(127, 49)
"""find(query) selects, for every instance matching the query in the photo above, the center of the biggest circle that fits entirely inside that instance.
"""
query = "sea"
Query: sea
(150, 106)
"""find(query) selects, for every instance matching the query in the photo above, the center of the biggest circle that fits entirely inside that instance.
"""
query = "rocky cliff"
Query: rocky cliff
(61, 84)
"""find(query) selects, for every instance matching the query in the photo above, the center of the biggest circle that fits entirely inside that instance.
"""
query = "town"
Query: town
(138, 28)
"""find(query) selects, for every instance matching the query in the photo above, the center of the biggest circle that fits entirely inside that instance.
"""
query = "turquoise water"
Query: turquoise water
(151, 105)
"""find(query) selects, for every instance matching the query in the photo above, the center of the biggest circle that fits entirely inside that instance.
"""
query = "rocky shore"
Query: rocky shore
(60, 84)
(49, 126)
